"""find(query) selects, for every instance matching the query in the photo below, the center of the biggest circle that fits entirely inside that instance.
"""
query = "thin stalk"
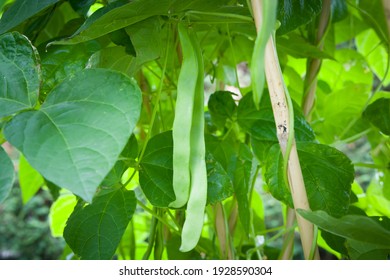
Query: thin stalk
(277, 91)
(288, 238)
(222, 232)
(314, 65)
(156, 107)
(152, 236)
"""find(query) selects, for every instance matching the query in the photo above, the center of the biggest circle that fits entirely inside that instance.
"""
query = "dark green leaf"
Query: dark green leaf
(339, 10)
(94, 231)
(221, 107)
(328, 175)
(294, 13)
(224, 151)
(241, 182)
(173, 246)
(22, 10)
(81, 6)
(155, 175)
(7, 175)
(117, 16)
(378, 113)
(219, 185)
(359, 250)
(63, 61)
(20, 74)
(76, 136)
(355, 227)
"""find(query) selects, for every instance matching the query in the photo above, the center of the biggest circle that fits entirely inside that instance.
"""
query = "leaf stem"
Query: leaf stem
(156, 107)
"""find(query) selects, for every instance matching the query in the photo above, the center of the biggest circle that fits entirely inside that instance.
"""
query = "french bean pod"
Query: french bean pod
(181, 131)
(193, 224)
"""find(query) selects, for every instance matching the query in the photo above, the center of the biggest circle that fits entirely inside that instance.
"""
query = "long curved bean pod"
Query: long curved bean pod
(183, 119)
(193, 224)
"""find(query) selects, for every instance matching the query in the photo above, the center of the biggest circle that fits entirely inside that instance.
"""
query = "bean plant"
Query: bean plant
(198, 129)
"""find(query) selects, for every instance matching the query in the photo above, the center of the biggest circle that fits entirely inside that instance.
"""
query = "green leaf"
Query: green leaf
(116, 17)
(115, 58)
(19, 69)
(219, 185)
(260, 124)
(94, 231)
(146, 39)
(224, 151)
(378, 113)
(221, 107)
(7, 175)
(374, 14)
(298, 47)
(29, 179)
(60, 62)
(59, 213)
(371, 230)
(327, 172)
(242, 174)
(81, 6)
(339, 10)
(76, 136)
(294, 13)
(359, 250)
(155, 175)
(376, 54)
(22, 10)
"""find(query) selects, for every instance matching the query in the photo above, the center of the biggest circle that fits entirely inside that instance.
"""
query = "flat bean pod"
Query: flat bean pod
(181, 131)
(192, 228)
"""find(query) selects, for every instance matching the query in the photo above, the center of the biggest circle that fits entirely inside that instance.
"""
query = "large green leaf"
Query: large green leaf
(19, 69)
(7, 175)
(76, 136)
(94, 231)
(378, 113)
(372, 230)
(22, 10)
(155, 175)
(29, 179)
(328, 175)
(294, 13)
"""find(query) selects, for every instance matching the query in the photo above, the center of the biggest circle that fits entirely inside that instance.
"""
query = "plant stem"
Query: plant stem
(314, 65)
(277, 91)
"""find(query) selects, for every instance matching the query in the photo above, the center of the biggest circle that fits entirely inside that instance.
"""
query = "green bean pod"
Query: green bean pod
(192, 228)
(181, 131)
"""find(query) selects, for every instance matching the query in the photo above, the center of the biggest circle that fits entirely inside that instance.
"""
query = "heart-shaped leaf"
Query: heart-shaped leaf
(20, 74)
(327, 172)
(76, 136)
(7, 175)
(94, 231)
